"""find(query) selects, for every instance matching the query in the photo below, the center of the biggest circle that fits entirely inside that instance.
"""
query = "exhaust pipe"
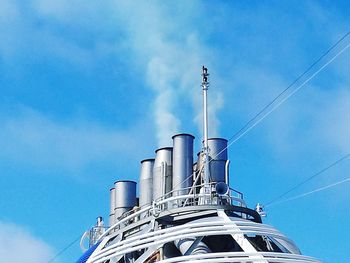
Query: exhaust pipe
(218, 158)
(162, 172)
(182, 163)
(125, 192)
(112, 220)
(146, 182)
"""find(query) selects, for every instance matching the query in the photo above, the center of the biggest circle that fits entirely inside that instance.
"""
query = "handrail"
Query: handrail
(199, 227)
(157, 205)
(188, 230)
(124, 220)
(242, 257)
(165, 196)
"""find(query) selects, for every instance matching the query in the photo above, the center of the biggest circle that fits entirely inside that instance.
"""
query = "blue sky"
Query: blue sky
(89, 88)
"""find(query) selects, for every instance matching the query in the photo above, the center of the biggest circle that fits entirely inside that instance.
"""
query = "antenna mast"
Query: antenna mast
(205, 85)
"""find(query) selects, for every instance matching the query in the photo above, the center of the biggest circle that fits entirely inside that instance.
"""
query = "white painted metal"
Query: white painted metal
(205, 85)
(241, 240)
(242, 257)
(188, 229)
(159, 207)
(215, 226)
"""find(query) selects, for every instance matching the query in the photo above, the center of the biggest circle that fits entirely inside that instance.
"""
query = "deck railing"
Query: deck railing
(160, 237)
(173, 200)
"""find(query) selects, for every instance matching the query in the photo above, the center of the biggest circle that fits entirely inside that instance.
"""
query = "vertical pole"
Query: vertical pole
(205, 85)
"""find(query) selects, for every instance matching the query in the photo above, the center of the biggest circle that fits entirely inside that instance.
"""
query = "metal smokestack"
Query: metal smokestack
(125, 193)
(146, 182)
(162, 172)
(112, 220)
(182, 163)
(218, 158)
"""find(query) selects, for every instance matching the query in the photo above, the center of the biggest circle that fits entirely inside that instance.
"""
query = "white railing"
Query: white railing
(242, 257)
(172, 200)
(208, 228)
(235, 197)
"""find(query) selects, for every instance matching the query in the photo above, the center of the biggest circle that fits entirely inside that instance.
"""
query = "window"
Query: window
(266, 244)
(222, 243)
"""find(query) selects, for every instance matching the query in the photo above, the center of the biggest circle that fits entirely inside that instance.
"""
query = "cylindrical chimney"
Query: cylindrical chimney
(146, 182)
(182, 163)
(125, 192)
(218, 158)
(162, 172)
(112, 220)
(217, 148)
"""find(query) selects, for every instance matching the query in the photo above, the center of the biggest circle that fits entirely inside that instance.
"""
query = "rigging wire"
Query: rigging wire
(308, 179)
(292, 84)
(64, 249)
(311, 192)
(256, 120)
(246, 128)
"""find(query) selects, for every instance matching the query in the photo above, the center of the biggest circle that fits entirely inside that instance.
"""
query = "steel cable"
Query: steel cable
(308, 179)
(256, 120)
(311, 192)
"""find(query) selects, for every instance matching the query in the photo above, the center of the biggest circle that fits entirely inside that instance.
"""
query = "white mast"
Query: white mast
(205, 85)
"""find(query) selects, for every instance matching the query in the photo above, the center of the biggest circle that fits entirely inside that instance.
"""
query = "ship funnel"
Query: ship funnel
(218, 159)
(162, 172)
(146, 182)
(182, 163)
(112, 220)
(125, 193)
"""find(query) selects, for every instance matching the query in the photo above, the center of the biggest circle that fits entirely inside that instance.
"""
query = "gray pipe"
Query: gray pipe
(182, 163)
(162, 172)
(125, 192)
(227, 172)
(112, 207)
(146, 182)
(218, 158)
(217, 148)
(197, 248)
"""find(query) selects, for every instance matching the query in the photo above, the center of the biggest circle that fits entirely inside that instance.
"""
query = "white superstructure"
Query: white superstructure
(187, 212)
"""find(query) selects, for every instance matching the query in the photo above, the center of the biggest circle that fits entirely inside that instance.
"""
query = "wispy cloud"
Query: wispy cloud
(31, 138)
(32, 32)
(169, 53)
(18, 245)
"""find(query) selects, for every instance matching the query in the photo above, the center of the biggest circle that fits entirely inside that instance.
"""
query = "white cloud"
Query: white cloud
(158, 39)
(18, 245)
(33, 139)
(33, 32)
